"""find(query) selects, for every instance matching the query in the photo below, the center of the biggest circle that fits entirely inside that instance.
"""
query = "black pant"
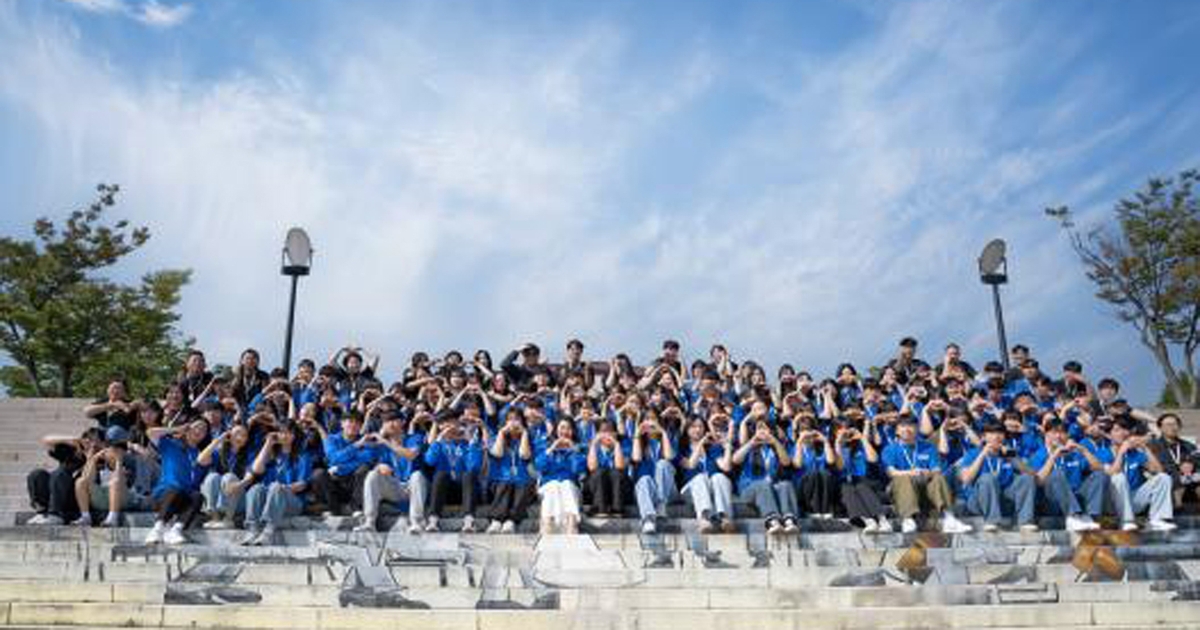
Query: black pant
(818, 492)
(53, 492)
(861, 498)
(337, 492)
(511, 501)
(446, 488)
(179, 504)
(607, 487)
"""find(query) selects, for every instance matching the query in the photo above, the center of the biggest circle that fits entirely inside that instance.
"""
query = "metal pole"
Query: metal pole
(287, 342)
(999, 327)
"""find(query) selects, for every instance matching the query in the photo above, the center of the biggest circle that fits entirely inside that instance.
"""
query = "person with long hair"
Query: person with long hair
(654, 475)
(227, 458)
(283, 469)
(707, 460)
(560, 467)
(762, 458)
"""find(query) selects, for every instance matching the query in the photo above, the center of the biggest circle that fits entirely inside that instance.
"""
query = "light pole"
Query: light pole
(297, 260)
(993, 270)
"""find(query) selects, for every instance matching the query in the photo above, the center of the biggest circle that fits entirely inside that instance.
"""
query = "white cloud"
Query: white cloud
(151, 12)
(464, 196)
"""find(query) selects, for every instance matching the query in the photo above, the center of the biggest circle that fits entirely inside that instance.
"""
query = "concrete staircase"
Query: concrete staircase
(318, 574)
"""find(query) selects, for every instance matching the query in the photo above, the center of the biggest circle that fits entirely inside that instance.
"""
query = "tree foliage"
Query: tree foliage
(1147, 266)
(68, 329)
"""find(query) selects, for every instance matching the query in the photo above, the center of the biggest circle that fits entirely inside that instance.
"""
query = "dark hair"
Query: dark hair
(1164, 416)
(1020, 348)
(1072, 366)
(279, 373)
(1108, 382)
(908, 342)
(670, 344)
(575, 343)
(306, 363)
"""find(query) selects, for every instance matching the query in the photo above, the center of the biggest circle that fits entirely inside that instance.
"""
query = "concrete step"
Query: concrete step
(1179, 614)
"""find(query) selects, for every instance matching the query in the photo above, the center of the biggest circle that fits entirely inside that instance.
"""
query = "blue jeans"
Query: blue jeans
(989, 498)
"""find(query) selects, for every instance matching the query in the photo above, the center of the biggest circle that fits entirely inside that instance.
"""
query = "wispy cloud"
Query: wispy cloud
(150, 12)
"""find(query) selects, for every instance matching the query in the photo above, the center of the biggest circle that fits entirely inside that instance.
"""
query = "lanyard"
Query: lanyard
(910, 456)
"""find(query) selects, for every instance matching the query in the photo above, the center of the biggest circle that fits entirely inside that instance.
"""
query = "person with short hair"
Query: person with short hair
(105, 484)
(1177, 457)
(52, 493)
(456, 457)
(115, 409)
(812, 459)
(397, 477)
(349, 457)
(607, 466)
(914, 470)
(994, 475)
(510, 483)
(1138, 480)
(1072, 479)
(654, 477)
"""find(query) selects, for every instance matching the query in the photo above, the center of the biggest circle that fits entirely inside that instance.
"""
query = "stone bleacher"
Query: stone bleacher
(324, 576)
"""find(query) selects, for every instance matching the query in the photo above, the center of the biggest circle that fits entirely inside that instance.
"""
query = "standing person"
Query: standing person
(1070, 474)
(284, 469)
(560, 466)
(812, 458)
(860, 493)
(456, 457)
(654, 476)
(195, 379)
(397, 476)
(228, 459)
(52, 493)
(915, 477)
(607, 465)
(248, 379)
(706, 462)
(512, 487)
(350, 456)
(176, 496)
(1138, 480)
(521, 375)
(761, 458)
(1175, 454)
(106, 482)
(992, 475)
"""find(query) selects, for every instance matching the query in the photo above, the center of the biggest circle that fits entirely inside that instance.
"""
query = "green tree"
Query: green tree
(1147, 267)
(69, 330)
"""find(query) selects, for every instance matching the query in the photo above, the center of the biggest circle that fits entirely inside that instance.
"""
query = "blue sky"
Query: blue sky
(803, 181)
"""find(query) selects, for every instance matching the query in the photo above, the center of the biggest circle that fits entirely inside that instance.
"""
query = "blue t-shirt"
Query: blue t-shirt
(179, 470)
(1003, 468)
(560, 465)
(455, 457)
(921, 455)
(344, 456)
(762, 462)
(509, 468)
(402, 467)
(707, 464)
(854, 463)
(1073, 465)
(652, 452)
(1134, 467)
(288, 470)
(814, 460)
(606, 458)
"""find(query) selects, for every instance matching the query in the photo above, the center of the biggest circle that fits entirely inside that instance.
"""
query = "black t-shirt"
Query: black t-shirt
(67, 455)
(114, 417)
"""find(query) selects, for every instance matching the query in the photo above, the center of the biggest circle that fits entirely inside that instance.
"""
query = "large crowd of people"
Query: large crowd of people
(908, 445)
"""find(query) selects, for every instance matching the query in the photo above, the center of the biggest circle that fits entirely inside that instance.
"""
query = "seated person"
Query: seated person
(995, 477)
(509, 481)
(762, 482)
(915, 478)
(456, 458)
(1176, 454)
(560, 466)
(707, 462)
(654, 477)
(607, 466)
(1138, 480)
(854, 455)
(283, 469)
(106, 482)
(397, 477)
(349, 457)
(812, 459)
(176, 496)
(228, 458)
(1068, 475)
(52, 493)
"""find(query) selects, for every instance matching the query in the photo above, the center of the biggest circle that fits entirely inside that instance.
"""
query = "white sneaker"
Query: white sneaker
(909, 525)
(84, 520)
(774, 528)
(468, 525)
(1162, 526)
(357, 514)
(1089, 524)
(1029, 528)
(991, 527)
(885, 525)
(112, 520)
(155, 535)
(1076, 524)
(1129, 526)
(870, 526)
(266, 536)
(648, 526)
(431, 525)
(790, 526)
(509, 527)
(414, 528)
(494, 527)
(364, 527)
(951, 525)
(174, 536)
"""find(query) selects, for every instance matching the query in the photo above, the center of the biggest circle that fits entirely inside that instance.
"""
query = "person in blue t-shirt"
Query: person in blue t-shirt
(1070, 474)
(397, 477)
(1138, 480)
(654, 476)
(456, 458)
(607, 466)
(854, 455)
(284, 470)
(706, 460)
(513, 490)
(994, 476)
(228, 458)
(762, 458)
(915, 473)
(176, 496)
(812, 458)
(349, 457)
(560, 466)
